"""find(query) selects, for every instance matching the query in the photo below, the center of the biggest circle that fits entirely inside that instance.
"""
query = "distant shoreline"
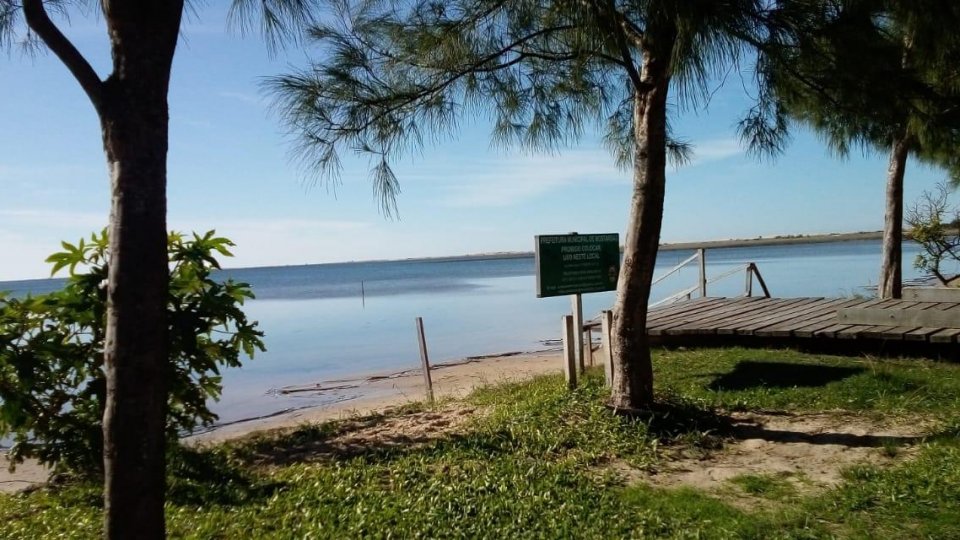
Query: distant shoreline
(776, 240)
(678, 246)
(670, 246)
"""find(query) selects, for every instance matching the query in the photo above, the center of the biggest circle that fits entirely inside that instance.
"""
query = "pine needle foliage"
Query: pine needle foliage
(864, 72)
(391, 76)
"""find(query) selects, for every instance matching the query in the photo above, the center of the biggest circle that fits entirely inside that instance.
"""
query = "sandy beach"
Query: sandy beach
(376, 393)
(379, 392)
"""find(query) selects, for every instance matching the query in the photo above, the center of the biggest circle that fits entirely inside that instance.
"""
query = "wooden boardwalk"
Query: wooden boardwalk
(826, 323)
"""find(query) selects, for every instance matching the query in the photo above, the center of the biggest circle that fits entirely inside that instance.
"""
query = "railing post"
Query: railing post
(748, 286)
(702, 255)
(763, 284)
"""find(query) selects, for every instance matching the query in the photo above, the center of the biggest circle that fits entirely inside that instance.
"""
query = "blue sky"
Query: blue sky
(230, 170)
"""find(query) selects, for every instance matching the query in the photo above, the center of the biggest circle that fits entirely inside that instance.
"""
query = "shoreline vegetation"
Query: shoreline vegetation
(742, 444)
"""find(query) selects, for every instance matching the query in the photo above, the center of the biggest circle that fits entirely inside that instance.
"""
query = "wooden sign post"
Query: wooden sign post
(574, 264)
(576, 306)
(569, 358)
(606, 339)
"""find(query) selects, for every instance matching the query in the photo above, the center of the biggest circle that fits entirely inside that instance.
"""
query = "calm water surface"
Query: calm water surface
(319, 328)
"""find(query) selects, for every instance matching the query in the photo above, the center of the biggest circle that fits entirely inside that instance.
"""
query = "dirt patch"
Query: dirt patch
(369, 434)
(404, 430)
(808, 450)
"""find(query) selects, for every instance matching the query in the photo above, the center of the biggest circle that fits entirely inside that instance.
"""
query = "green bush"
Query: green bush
(52, 383)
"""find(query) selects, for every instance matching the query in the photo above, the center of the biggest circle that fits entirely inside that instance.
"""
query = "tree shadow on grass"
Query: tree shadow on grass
(772, 374)
(750, 429)
(209, 477)
(672, 419)
(676, 421)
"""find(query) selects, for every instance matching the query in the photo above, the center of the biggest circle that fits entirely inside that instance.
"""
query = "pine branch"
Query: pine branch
(38, 20)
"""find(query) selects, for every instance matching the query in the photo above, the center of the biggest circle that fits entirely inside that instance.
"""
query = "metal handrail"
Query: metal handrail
(729, 273)
(674, 297)
(750, 270)
(675, 269)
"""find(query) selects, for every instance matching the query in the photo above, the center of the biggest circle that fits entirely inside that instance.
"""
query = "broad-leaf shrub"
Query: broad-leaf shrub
(52, 384)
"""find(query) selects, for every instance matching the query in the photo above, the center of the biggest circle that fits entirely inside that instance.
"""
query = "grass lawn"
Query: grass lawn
(532, 460)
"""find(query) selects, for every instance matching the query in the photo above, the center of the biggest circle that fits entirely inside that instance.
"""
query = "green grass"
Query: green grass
(542, 462)
(748, 379)
(768, 486)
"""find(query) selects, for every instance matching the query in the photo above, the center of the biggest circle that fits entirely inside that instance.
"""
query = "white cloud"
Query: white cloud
(244, 97)
(282, 241)
(52, 219)
(517, 179)
(715, 150)
(41, 173)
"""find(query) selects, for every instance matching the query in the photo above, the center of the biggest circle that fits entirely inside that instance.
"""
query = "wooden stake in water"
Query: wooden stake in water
(363, 296)
(424, 359)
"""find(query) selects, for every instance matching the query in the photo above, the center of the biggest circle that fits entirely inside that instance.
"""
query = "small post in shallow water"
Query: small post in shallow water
(363, 295)
(424, 360)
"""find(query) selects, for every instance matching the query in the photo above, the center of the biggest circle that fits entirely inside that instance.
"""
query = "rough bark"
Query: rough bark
(632, 368)
(132, 106)
(134, 118)
(890, 284)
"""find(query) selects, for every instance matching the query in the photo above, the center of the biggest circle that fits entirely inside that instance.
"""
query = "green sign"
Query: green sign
(577, 263)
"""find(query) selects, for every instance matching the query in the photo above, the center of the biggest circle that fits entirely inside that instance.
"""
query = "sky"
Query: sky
(231, 169)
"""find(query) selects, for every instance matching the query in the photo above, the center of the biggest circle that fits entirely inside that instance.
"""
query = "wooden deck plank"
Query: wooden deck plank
(732, 325)
(681, 318)
(922, 333)
(945, 336)
(690, 306)
(682, 303)
(823, 309)
(839, 329)
(705, 322)
(807, 328)
(703, 308)
(862, 331)
(744, 311)
(800, 318)
(798, 309)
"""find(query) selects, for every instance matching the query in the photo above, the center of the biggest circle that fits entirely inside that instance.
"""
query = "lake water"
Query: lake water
(320, 328)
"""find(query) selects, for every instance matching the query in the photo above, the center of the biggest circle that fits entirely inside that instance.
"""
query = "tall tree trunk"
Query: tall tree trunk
(891, 265)
(135, 118)
(632, 368)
